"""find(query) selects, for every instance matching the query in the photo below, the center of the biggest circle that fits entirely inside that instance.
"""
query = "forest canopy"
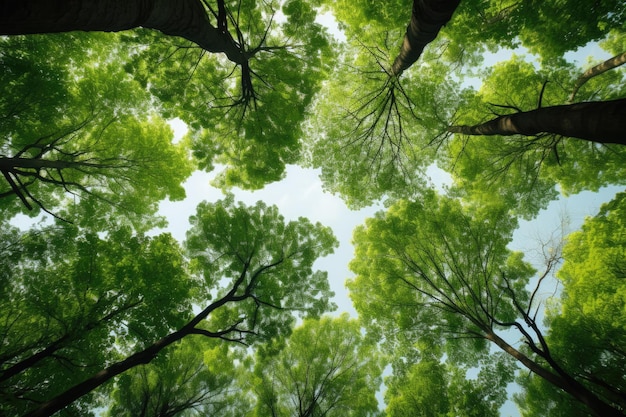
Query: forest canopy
(102, 311)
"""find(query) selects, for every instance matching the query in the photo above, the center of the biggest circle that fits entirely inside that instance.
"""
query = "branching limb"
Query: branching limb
(16, 189)
(607, 65)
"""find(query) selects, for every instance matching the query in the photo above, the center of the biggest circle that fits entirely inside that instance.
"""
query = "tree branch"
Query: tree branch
(607, 65)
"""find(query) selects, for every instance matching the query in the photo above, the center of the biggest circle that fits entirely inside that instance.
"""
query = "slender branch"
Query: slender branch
(16, 189)
(607, 65)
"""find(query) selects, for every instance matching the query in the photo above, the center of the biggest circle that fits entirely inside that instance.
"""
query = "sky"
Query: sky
(300, 194)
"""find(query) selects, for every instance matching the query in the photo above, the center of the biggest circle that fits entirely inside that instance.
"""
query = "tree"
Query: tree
(193, 377)
(256, 268)
(548, 29)
(79, 132)
(247, 116)
(596, 70)
(431, 387)
(377, 143)
(523, 170)
(427, 19)
(599, 122)
(365, 153)
(586, 324)
(71, 295)
(187, 19)
(433, 271)
(397, 127)
(327, 368)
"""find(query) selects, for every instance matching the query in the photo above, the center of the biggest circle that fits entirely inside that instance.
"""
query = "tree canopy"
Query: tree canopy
(102, 311)
(587, 322)
(326, 368)
(437, 271)
(72, 295)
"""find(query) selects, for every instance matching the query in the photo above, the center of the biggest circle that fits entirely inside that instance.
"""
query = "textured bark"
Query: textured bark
(602, 122)
(427, 19)
(607, 65)
(184, 18)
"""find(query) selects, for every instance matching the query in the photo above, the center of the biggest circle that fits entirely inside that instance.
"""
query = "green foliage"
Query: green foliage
(381, 163)
(72, 294)
(429, 269)
(431, 387)
(615, 43)
(541, 398)
(373, 135)
(195, 376)
(326, 368)
(422, 392)
(248, 122)
(77, 298)
(523, 171)
(94, 146)
(367, 20)
(229, 241)
(549, 28)
(78, 301)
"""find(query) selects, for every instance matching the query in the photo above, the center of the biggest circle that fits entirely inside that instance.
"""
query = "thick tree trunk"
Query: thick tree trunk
(607, 65)
(602, 122)
(427, 19)
(184, 18)
(565, 382)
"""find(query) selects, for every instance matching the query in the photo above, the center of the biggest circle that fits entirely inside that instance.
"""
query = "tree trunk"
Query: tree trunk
(601, 121)
(564, 382)
(32, 360)
(427, 19)
(184, 18)
(607, 65)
